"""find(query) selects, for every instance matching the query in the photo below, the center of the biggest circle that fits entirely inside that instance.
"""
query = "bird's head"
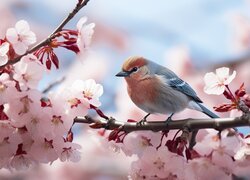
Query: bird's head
(135, 68)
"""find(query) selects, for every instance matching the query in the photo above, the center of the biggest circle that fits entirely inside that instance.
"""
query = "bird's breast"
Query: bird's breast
(142, 91)
(154, 96)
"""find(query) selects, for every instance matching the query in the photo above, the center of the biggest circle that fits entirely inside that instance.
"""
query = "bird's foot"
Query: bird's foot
(141, 122)
(169, 119)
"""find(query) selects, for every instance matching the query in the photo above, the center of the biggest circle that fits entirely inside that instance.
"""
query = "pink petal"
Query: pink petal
(22, 27)
(29, 38)
(12, 36)
(4, 48)
(222, 73)
(215, 89)
(20, 48)
(81, 22)
(230, 78)
(210, 79)
(3, 60)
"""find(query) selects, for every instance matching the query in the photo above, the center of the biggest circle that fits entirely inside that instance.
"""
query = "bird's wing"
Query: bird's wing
(171, 79)
(182, 86)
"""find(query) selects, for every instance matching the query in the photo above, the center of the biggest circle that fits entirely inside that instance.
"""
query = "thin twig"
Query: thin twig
(48, 40)
(50, 86)
(191, 124)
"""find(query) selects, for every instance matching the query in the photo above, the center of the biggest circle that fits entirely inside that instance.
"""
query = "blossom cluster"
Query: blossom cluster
(19, 38)
(35, 127)
(213, 157)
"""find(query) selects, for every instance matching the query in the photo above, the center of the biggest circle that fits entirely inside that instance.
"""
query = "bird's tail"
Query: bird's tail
(207, 111)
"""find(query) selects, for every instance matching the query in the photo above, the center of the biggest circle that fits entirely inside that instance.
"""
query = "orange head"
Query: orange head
(135, 68)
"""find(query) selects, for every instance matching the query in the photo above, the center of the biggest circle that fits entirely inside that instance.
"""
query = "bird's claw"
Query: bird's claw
(141, 122)
(169, 119)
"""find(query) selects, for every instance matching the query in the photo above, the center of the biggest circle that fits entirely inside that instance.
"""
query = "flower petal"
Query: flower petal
(4, 48)
(222, 73)
(22, 27)
(230, 78)
(11, 35)
(80, 23)
(20, 48)
(216, 89)
(210, 79)
(3, 60)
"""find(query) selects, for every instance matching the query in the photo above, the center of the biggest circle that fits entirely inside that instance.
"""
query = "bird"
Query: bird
(157, 90)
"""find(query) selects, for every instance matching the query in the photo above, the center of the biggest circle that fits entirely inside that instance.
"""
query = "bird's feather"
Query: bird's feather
(184, 87)
(176, 83)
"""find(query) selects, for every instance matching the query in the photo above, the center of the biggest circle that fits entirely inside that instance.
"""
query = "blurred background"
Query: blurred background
(190, 37)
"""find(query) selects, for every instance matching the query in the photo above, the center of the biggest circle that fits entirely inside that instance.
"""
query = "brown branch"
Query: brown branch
(191, 124)
(55, 83)
(48, 40)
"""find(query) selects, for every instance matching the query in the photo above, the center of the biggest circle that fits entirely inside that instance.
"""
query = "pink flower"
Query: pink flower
(136, 172)
(21, 162)
(155, 162)
(68, 151)
(20, 37)
(221, 151)
(20, 107)
(215, 83)
(85, 32)
(6, 129)
(59, 119)
(4, 48)
(244, 152)
(7, 88)
(38, 122)
(137, 142)
(43, 150)
(88, 91)
(9, 145)
(203, 168)
(28, 72)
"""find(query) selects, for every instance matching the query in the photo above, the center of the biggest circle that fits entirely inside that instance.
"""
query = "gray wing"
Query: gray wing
(183, 87)
(175, 82)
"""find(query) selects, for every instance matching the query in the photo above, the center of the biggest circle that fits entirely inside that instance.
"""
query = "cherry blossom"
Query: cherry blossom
(19, 108)
(38, 122)
(215, 83)
(203, 168)
(87, 91)
(7, 88)
(154, 162)
(4, 48)
(85, 32)
(59, 119)
(43, 149)
(6, 129)
(28, 72)
(69, 151)
(8, 147)
(137, 142)
(20, 37)
(243, 152)
(21, 162)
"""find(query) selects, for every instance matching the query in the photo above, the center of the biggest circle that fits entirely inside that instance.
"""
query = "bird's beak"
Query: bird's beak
(123, 74)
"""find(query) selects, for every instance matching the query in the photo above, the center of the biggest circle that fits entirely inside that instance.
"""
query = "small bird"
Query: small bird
(158, 90)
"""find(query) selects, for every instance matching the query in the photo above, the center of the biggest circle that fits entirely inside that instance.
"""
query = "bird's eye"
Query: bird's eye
(134, 69)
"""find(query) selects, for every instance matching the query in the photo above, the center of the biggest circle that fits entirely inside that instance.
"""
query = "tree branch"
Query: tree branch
(48, 40)
(50, 86)
(191, 124)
